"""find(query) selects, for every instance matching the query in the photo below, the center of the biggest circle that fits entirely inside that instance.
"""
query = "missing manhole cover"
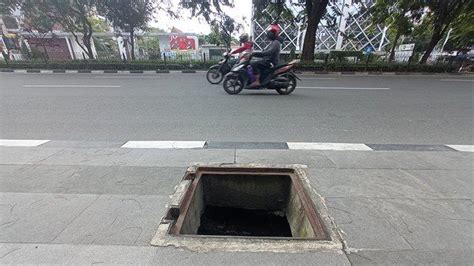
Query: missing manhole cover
(247, 207)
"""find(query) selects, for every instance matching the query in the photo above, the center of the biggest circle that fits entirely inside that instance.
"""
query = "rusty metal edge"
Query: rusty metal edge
(310, 209)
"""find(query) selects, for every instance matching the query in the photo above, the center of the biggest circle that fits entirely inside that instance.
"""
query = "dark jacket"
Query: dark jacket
(271, 54)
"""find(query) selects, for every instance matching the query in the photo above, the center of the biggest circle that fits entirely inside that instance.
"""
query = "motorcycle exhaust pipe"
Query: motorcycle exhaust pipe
(279, 84)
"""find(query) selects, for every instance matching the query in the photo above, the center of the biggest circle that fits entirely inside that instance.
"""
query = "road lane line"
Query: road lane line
(21, 142)
(342, 88)
(128, 77)
(456, 80)
(164, 144)
(328, 146)
(465, 148)
(317, 78)
(71, 86)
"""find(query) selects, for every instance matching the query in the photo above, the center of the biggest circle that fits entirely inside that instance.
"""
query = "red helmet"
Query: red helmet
(275, 29)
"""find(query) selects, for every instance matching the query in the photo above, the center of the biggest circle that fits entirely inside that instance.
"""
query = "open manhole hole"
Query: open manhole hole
(267, 207)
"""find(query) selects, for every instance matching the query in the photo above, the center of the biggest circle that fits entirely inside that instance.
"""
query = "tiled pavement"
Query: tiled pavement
(99, 203)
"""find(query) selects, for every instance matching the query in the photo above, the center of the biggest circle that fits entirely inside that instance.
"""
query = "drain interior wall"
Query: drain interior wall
(192, 221)
(263, 192)
(297, 218)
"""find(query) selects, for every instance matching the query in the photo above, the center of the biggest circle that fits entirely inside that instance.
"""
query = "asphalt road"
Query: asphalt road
(117, 107)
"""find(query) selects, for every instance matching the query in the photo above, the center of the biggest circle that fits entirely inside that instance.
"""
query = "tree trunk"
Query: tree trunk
(88, 45)
(132, 42)
(318, 8)
(434, 40)
(394, 45)
(87, 37)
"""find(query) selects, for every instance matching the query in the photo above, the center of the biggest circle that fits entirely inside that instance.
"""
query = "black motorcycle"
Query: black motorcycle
(280, 78)
(216, 73)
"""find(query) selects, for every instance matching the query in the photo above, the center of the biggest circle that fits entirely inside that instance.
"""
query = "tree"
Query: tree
(399, 16)
(313, 12)
(128, 15)
(73, 15)
(38, 25)
(462, 35)
(205, 8)
(222, 25)
(443, 13)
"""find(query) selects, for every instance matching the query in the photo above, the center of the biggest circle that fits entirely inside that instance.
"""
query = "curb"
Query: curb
(201, 144)
(189, 71)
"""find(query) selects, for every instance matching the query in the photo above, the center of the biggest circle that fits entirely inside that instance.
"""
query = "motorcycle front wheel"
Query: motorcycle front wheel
(233, 84)
(214, 75)
(290, 88)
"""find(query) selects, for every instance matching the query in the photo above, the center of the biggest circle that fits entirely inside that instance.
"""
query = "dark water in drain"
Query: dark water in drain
(242, 222)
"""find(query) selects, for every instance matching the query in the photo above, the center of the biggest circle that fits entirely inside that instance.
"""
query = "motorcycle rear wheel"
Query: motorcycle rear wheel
(233, 84)
(214, 75)
(291, 87)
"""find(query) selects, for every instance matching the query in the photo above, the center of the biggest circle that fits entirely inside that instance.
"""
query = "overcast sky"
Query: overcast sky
(198, 25)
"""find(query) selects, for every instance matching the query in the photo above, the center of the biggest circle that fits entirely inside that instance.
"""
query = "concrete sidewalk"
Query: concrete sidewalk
(103, 205)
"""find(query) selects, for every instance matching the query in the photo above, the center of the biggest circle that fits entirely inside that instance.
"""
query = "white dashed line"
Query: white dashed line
(342, 88)
(71, 86)
(318, 78)
(164, 144)
(465, 148)
(328, 146)
(21, 142)
(457, 80)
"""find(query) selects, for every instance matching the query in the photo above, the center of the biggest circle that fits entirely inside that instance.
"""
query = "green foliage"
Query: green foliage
(99, 25)
(128, 15)
(442, 14)
(150, 46)
(72, 15)
(184, 65)
(342, 56)
(106, 48)
(462, 35)
(399, 16)
(205, 8)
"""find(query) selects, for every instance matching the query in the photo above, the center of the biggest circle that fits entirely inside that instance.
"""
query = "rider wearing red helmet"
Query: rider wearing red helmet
(246, 45)
(269, 56)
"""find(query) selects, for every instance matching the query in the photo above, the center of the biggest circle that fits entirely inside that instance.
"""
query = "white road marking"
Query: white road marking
(456, 80)
(128, 77)
(164, 144)
(317, 78)
(466, 148)
(21, 142)
(328, 146)
(71, 86)
(342, 88)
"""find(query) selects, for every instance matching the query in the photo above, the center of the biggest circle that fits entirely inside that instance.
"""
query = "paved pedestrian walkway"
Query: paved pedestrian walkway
(100, 203)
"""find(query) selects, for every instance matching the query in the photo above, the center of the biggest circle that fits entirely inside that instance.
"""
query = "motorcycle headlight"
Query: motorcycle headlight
(225, 54)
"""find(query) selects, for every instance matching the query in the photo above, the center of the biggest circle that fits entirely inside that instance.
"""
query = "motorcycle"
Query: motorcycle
(216, 73)
(280, 78)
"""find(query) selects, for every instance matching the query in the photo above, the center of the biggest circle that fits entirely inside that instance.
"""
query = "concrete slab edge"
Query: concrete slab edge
(233, 145)
(207, 244)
